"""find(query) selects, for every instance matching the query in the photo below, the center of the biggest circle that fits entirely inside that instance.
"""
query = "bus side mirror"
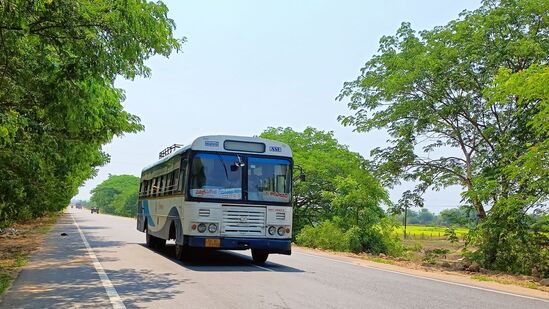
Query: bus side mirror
(302, 177)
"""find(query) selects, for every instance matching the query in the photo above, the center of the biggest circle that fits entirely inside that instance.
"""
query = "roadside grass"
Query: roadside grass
(5, 281)
(380, 260)
(17, 243)
(526, 284)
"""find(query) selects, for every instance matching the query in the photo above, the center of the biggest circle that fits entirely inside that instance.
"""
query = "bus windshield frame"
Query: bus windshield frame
(222, 187)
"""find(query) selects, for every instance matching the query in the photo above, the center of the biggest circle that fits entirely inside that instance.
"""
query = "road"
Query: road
(118, 271)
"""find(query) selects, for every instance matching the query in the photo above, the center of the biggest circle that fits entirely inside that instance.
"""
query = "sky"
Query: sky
(250, 65)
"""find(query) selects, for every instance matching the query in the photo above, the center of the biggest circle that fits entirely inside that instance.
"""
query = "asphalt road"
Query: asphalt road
(118, 271)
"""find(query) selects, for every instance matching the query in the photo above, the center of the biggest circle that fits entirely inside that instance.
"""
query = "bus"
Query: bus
(220, 192)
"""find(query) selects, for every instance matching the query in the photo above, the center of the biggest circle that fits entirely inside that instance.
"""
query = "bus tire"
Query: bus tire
(150, 240)
(259, 256)
(182, 252)
(160, 243)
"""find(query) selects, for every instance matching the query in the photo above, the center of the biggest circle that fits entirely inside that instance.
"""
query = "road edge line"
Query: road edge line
(426, 278)
(114, 298)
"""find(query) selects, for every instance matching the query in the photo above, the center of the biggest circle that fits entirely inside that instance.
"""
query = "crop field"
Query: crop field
(426, 232)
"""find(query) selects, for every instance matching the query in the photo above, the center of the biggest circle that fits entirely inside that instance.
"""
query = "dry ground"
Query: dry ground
(437, 254)
(17, 243)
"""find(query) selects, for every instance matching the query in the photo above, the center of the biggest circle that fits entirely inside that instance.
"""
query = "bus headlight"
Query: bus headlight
(272, 230)
(201, 228)
(212, 228)
(281, 231)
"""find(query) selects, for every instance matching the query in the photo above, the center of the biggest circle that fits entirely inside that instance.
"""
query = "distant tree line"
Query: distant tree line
(58, 104)
(460, 216)
(117, 195)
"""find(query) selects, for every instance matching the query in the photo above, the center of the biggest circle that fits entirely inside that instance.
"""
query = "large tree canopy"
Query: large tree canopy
(338, 186)
(465, 104)
(58, 104)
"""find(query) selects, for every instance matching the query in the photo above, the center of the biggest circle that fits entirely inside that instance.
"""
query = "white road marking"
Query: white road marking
(114, 298)
(422, 277)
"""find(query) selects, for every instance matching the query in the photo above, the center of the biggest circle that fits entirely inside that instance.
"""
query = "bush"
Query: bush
(505, 241)
(325, 235)
(374, 239)
(353, 239)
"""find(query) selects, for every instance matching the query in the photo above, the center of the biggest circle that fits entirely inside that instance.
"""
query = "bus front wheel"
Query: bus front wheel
(182, 252)
(154, 242)
(259, 256)
(149, 239)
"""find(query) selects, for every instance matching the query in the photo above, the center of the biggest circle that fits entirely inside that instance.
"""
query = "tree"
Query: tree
(434, 90)
(338, 207)
(330, 169)
(58, 104)
(117, 195)
(462, 216)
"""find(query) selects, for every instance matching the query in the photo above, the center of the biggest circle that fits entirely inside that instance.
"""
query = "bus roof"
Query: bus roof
(235, 144)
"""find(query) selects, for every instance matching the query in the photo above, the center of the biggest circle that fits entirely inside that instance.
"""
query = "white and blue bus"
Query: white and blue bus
(222, 192)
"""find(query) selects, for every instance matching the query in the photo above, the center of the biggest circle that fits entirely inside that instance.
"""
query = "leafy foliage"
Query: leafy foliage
(58, 104)
(450, 233)
(466, 104)
(339, 205)
(117, 195)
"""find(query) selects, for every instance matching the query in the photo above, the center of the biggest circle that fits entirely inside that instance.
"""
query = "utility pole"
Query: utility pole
(405, 217)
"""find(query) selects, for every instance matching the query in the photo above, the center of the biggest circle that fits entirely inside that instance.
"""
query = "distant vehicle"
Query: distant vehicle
(221, 192)
(78, 206)
(94, 209)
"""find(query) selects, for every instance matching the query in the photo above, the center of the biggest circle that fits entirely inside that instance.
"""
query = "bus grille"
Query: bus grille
(243, 221)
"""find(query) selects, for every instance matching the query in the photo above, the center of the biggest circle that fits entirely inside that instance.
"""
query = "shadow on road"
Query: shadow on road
(61, 275)
(221, 261)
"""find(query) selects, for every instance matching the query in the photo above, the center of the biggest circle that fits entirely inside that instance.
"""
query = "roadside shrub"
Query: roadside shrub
(325, 235)
(379, 238)
(450, 233)
(505, 241)
(353, 239)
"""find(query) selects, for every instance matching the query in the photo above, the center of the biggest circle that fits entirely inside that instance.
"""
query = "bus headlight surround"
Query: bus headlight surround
(212, 228)
(201, 228)
(272, 230)
(281, 231)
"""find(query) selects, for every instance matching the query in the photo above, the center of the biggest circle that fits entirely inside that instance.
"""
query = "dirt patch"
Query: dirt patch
(17, 243)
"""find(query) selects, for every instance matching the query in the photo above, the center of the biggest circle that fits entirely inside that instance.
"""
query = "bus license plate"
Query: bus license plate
(213, 243)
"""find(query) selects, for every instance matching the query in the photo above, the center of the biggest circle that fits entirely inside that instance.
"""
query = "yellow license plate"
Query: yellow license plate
(213, 243)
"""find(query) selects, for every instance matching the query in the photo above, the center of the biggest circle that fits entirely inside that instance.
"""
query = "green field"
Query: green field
(424, 231)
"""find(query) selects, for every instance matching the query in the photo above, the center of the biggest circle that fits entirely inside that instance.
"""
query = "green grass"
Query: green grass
(530, 285)
(380, 260)
(5, 280)
(21, 260)
(430, 231)
(44, 229)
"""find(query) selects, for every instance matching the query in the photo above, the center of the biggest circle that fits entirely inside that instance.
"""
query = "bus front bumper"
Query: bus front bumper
(281, 246)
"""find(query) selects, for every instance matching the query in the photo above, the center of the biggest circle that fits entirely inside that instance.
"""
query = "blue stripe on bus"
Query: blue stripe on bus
(147, 213)
(252, 160)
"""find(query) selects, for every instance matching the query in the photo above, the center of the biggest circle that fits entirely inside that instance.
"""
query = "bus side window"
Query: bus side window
(169, 183)
(175, 181)
(152, 191)
(161, 186)
(181, 176)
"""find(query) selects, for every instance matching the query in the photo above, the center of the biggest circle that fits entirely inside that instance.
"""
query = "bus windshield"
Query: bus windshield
(214, 176)
(269, 179)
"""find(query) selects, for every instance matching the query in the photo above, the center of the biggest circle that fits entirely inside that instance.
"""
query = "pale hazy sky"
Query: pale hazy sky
(249, 65)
